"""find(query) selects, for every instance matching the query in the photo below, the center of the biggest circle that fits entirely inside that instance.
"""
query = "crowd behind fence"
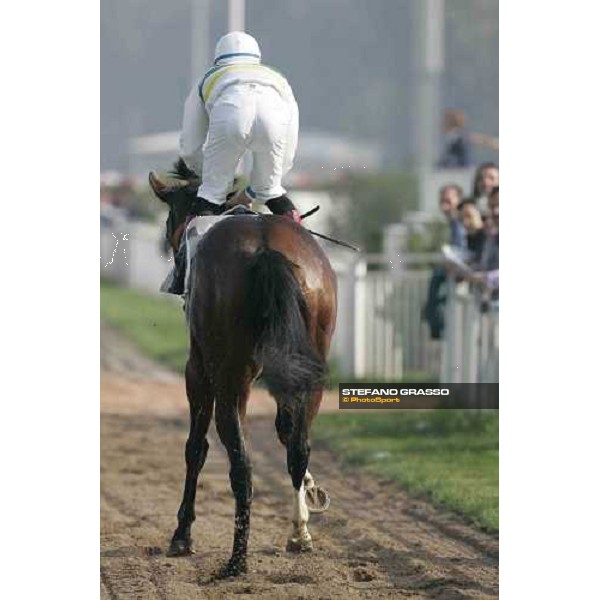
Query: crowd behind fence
(381, 333)
(462, 306)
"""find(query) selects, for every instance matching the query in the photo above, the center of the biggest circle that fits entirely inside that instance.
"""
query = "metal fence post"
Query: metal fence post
(359, 273)
(472, 340)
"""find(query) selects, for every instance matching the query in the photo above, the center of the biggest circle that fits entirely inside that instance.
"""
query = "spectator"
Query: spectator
(456, 153)
(494, 209)
(475, 231)
(486, 179)
(487, 275)
(433, 311)
(450, 198)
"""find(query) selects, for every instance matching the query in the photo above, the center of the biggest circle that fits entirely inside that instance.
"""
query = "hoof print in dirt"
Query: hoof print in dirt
(363, 575)
(180, 548)
(294, 545)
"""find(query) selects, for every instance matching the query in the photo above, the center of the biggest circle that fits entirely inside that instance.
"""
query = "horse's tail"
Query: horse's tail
(277, 315)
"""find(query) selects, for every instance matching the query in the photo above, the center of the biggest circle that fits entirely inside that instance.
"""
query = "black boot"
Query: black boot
(203, 208)
(285, 207)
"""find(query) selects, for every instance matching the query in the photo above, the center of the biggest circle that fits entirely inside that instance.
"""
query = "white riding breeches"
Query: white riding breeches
(255, 118)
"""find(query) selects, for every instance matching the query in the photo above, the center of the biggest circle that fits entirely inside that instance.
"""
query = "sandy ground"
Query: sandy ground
(375, 541)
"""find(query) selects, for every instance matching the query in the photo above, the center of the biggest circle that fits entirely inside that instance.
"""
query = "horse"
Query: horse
(262, 302)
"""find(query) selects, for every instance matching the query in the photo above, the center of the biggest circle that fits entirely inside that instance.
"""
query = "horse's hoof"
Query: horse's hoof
(234, 568)
(317, 499)
(299, 545)
(180, 548)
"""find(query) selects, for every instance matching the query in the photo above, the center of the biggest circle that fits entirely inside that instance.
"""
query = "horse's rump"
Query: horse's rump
(249, 292)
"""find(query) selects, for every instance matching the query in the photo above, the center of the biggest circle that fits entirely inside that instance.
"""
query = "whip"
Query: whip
(312, 211)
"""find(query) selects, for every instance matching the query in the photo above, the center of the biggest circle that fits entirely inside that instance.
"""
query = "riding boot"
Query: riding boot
(285, 207)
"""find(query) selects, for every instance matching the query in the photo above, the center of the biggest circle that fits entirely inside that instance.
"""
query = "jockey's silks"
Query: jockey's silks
(222, 76)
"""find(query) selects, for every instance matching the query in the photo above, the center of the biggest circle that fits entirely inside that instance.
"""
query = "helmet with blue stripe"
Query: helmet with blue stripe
(237, 45)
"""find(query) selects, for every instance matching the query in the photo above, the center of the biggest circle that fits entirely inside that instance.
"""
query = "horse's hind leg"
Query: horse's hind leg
(292, 429)
(201, 400)
(284, 425)
(319, 498)
(230, 432)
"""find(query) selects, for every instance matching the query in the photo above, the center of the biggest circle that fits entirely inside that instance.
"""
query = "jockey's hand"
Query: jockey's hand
(294, 215)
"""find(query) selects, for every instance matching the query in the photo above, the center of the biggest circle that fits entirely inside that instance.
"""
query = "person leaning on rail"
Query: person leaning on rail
(476, 234)
(450, 198)
(487, 177)
(487, 274)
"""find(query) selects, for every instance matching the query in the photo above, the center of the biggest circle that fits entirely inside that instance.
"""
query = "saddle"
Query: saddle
(195, 230)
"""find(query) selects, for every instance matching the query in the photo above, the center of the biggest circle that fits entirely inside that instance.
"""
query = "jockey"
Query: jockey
(239, 105)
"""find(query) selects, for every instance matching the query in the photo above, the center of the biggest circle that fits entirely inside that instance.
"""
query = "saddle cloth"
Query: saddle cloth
(194, 232)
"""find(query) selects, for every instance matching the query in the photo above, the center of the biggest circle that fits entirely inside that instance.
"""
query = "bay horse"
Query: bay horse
(262, 302)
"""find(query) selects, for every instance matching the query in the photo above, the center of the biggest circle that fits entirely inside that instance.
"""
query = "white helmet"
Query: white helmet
(237, 45)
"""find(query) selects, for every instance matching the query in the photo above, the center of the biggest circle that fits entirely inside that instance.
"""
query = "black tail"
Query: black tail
(277, 314)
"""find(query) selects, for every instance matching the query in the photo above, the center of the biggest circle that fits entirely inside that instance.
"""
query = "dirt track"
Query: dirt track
(374, 542)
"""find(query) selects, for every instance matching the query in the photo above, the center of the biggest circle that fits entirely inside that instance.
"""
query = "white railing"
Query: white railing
(470, 351)
(379, 331)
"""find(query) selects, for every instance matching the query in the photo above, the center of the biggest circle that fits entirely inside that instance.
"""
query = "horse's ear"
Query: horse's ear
(158, 187)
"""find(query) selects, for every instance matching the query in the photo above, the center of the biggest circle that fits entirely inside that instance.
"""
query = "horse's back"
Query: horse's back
(242, 236)
(225, 253)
